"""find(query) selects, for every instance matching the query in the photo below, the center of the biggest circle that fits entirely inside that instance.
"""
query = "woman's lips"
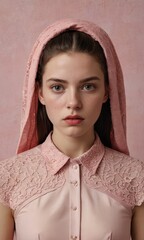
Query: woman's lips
(73, 120)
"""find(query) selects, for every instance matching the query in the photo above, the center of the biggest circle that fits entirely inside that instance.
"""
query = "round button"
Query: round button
(74, 237)
(75, 166)
(74, 208)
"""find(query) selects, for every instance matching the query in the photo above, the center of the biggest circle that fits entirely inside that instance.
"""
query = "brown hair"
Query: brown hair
(77, 42)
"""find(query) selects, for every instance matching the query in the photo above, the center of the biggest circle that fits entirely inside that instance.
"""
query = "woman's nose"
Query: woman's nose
(74, 100)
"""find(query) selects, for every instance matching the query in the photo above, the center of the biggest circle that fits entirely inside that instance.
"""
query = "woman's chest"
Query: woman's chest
(73, 211)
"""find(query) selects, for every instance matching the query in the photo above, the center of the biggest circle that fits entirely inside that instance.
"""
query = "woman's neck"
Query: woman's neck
(73, 146)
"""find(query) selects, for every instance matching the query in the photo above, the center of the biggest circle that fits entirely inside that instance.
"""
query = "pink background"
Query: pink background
(21, 21)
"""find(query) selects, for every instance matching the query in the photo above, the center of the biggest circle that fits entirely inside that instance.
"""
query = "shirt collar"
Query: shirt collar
(56, 159)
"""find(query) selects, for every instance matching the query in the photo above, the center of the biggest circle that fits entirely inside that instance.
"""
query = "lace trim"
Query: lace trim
(119, 176)
(25, 176)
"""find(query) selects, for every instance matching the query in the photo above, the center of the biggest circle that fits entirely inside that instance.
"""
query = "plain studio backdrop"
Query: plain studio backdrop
(21, 21)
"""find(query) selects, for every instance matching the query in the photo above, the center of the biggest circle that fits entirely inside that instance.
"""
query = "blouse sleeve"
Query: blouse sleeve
(137, 184)
(5, 181)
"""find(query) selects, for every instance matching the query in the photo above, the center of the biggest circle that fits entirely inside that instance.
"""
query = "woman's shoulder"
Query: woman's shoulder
(26, 176)
(19, 160)
(126, 173)
(123, 161)
(14, 169)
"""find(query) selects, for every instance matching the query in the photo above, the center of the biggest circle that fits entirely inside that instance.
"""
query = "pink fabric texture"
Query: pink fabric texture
(28, 135)
(87, 197)
(32, 173)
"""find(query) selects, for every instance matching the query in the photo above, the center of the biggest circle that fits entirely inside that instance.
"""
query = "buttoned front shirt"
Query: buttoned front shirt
(90, 197)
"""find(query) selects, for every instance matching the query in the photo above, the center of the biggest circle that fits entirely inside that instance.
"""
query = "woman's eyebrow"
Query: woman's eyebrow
(89, 79)
(56, 80)
(81, 81)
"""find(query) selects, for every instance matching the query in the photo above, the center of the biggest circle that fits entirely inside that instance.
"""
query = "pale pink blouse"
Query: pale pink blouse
(57, 198)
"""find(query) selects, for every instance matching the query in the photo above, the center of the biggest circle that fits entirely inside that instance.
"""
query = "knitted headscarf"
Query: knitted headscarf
(28, 135)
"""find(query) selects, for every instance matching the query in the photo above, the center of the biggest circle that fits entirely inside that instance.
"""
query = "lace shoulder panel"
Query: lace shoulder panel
(120, 176)
(26, 175)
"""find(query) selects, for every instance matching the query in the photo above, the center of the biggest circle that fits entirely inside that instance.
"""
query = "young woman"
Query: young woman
(73, 177)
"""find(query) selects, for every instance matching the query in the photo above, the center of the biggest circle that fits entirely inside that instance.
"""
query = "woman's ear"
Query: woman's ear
(40, 95)
(106, 95)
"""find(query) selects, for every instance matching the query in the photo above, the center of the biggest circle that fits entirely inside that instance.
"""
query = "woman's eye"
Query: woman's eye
(57, 88)
(88, 87)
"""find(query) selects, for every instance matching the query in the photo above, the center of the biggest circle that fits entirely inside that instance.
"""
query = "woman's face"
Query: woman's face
(73, 91)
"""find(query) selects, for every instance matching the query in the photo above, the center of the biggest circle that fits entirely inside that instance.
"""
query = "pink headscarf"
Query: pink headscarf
(28, 135)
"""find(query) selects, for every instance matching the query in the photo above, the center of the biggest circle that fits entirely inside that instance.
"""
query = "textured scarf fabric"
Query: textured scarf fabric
(28, 135)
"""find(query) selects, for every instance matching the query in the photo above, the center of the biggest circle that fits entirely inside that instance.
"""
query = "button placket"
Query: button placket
(74, 176)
